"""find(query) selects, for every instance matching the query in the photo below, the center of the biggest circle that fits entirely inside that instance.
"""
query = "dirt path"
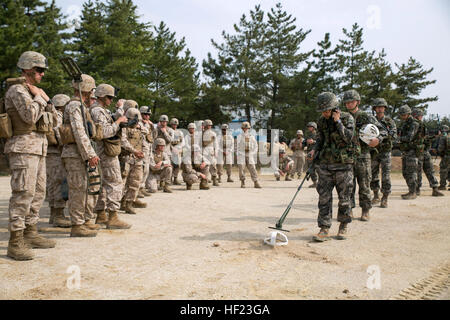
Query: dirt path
(209, 245)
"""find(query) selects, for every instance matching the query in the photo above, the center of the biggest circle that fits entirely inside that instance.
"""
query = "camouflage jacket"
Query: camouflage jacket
(362, 118)
(387, 143)
(409, 136)
(110, 129)
(309, 135)
(444, 146)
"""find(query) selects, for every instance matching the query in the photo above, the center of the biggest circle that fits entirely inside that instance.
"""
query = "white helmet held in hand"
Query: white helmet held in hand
(368, 132)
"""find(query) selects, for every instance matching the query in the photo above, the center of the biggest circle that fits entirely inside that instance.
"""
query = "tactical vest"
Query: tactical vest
(310, 135)
(447, 145)
(386, 144)
(361, 118)
(158, 157)
(297, 144)
(207, 143)
(417, 143)
(161, 135)
(18, 125)
(335, 149)
(135, 138)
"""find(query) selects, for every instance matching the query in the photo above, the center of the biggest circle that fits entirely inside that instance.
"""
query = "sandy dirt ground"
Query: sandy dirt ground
(209, 245)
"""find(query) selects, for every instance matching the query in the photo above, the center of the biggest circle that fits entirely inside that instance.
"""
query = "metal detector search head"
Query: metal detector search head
(71, 68)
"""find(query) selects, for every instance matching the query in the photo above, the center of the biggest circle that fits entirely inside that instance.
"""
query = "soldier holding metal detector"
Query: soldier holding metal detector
(79, 156)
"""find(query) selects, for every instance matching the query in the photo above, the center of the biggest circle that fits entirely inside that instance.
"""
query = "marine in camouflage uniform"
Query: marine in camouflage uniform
(425, 161)
(25, 104)
(381, 155)
(285, 166)
(132, 161)
(210, 150)
(336, 149)
(160, 168)
(225, 154)
(362, 170)
(77, 154)
(108, 202)
(247, 149)
(411, 147)
(308, 143)
(194, 166)
(148, 145)
(177, 149)
(296, 145)
(56, 174)
(444, 152)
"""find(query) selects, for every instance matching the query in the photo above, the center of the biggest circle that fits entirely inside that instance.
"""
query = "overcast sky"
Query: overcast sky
(416, 28)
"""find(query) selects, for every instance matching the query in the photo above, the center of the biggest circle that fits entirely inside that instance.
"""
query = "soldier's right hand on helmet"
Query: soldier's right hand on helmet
(139, 154)
(93, 162)
(120, 103)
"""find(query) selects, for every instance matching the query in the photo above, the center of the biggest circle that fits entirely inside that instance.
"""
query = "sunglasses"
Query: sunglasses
(110, 97)
(39, 70)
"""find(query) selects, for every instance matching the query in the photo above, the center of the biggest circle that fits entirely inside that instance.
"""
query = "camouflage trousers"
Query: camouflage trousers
(55, 177)
(132, 175)
(314, 171)
(191, 178)
(444, 171)
(362, 173)
(80, 204)
(176, 163)
(342, 180)
(410, 164)
(112, 184)
(287, 172)
(425, 163)
(250, 167)
(220, 169)
(154, 177)
(381, 161)
(299, 164)
(28, 182)
(146, 171)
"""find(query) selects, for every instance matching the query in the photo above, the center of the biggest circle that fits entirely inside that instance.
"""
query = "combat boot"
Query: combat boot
(160, 187)
(229, 179)
(442, 188)
(17, 249)
(384, 201)
(82, 231)
(215, 183)
(351, 214)
(129, 207)
(167, 188)
(342, 233)
(140, 195)
(314, 185)
(34, 240)
(287, 178)
(322, 235)
(102, 217)
(145, 193)
(278, 178)
(91, 225)
(418, 192)
(139, 204)
(376, 197)
(188, 186)
(219, 179)
(115, 223)
(257, 185)
(59, 220)
(176, 182)
(204, 184)
(122, 205)
(436, 193)
(242, 184)
(409, 196)
(52, 215)
(365, 215)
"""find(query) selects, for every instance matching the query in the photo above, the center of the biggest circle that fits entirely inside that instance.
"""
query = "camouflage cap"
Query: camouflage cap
(404, 110)
(246, 125)
(208, 123)
(160, 142)
(379, 102)
(224, 126)
(312, 124)
(60, 100)
(145, 110)
(326, 101)
(417, 112)
(300, 132)
(87, 83)
(351, 95)
(104, 90)
(163, 118)
(191, 125)
(30, 59)
(133, 113)
(174, 121)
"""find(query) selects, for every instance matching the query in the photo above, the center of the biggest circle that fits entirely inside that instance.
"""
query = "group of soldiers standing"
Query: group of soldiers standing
(107, 160)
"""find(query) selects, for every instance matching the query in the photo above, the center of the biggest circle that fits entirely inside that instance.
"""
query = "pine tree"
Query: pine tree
(324, 68)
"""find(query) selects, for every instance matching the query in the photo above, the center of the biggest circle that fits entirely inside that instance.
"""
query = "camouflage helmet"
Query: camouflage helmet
(444, 128)
(417, 112)
(404, 110)
(87, 83)
(60, 100)
(208, 123)
(174, 121)
(160, 142)
(191, 126)
(145, 110)
(128, 104)
(300, 132)
(326, 101)
(30, 59)
(246, 125)
(351, 95)
(379, 102)
(224, 126)
(163, 118)
(104, 90)
(312, 124)
(281, 151)
(133, 113)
